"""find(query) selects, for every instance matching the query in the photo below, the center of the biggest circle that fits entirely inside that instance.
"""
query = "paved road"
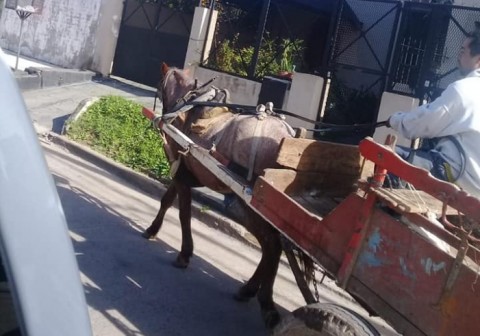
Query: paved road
(131, 288)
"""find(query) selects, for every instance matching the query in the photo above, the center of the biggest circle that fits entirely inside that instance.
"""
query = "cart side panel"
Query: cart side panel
(325, 239)
(408, 271)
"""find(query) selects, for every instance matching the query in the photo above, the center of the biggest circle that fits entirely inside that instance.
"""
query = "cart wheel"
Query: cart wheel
(322, 319)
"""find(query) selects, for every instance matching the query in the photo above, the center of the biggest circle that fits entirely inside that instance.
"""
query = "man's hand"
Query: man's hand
(383, 123)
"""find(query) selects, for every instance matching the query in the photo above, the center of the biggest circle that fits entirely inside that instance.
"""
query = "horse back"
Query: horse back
(244, 140)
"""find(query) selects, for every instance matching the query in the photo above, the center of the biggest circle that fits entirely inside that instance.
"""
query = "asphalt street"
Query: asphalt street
(130, 285)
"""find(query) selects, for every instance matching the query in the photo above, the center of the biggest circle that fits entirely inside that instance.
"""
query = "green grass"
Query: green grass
(115, 127)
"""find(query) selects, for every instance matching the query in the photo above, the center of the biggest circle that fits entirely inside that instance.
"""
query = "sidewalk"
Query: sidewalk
(33, 74)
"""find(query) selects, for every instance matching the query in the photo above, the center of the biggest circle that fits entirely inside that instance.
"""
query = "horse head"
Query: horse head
(174, 86)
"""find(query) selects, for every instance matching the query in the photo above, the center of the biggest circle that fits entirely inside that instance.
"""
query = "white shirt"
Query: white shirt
(456, 112)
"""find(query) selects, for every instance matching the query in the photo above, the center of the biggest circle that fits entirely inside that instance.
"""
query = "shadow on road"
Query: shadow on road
(130, 281)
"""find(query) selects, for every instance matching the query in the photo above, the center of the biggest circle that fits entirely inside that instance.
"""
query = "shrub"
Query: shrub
(274, 56)
(115, 127)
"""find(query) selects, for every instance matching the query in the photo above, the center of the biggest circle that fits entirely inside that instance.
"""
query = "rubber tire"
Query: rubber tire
(324, 319)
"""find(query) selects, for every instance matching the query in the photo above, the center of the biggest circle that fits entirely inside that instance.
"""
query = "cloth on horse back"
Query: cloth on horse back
(201, 118)
(209, 118)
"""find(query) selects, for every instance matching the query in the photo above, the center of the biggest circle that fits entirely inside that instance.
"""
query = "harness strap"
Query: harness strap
(216, 140)
(254, 149)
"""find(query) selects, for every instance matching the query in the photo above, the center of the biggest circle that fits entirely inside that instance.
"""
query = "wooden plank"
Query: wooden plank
(301, 183)
(320, 156)
(320, 205)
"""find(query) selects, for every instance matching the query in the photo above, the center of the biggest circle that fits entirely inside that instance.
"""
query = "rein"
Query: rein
(197, 97)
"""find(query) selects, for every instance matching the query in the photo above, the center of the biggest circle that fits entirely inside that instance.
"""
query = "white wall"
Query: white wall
(68, 33)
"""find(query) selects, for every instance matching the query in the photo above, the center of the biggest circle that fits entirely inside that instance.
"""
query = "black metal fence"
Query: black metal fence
(358, 64)
(428, 43)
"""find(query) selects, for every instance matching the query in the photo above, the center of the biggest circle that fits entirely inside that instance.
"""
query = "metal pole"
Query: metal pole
(19, 42)
(211, 9)
(260, 32)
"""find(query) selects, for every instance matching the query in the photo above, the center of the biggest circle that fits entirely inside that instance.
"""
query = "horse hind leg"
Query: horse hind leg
(273, 251)
(165, 203)
(262, 280)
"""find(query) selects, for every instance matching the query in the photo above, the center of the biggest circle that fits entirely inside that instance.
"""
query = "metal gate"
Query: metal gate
(358, 64)
(152, 32)
(428, 43)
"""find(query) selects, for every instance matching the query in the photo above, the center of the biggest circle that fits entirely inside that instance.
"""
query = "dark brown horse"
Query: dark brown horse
(248, 141)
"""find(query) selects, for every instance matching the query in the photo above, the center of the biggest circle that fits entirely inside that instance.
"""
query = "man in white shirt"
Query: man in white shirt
(450, 124)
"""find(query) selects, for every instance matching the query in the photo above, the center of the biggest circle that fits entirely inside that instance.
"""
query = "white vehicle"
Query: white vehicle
(40, 288)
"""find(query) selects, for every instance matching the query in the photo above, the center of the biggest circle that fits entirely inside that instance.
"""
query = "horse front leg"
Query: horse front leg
(185, 208)
(165, 203)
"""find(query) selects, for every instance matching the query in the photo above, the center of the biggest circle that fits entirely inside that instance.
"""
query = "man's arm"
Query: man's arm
(429, 120)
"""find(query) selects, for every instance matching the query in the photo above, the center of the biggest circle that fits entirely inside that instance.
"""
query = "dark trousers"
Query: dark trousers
(430, 160)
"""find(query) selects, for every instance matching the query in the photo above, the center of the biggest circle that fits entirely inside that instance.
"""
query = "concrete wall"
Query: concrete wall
(68, 33)
(2, 5)
(242, 91)
(196, 51)
(304, 99)
(468, 3)
(106, 36)
(390, 104)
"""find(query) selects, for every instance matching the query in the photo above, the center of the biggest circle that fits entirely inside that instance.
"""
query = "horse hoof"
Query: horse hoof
(147, 235)
(180, 262)
(271, 318)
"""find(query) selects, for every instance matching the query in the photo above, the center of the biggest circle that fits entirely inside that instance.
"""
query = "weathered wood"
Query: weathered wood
(318, 156)
(413, 201)
(320, 204)
(294, 182)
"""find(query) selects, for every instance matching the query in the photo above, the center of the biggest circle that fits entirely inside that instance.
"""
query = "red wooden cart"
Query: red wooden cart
(389, 248)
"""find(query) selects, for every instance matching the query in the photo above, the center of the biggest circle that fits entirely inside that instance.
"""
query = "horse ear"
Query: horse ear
(165, 69)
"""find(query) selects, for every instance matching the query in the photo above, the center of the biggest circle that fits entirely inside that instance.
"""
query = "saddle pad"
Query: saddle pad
(207, 119)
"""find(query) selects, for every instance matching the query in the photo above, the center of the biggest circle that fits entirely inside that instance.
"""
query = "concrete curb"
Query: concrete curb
(34, 78)
(81, 108)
